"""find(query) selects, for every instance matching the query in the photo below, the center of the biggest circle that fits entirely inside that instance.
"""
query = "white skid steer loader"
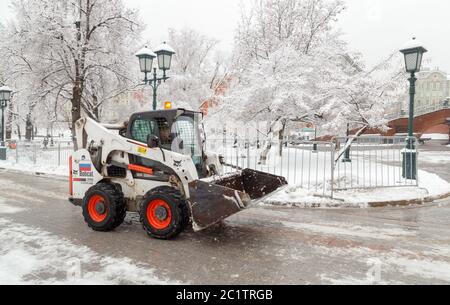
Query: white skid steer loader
(156, 166)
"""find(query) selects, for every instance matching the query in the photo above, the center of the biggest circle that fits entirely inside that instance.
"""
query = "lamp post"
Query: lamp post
(315, 145)
(413, 52)
(5, 97)
(146, 56)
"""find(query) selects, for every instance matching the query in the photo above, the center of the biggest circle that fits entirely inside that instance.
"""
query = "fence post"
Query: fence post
(333, 166)
(224, 133)
(236, 146)
(224, 144)
(17, 153)
(34, 153)
(59, 154)
(247, 143)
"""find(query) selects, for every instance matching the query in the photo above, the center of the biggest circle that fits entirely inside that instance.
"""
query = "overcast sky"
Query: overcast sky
(373, 27)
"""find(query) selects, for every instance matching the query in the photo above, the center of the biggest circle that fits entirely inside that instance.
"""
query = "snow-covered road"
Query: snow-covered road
(43, 239)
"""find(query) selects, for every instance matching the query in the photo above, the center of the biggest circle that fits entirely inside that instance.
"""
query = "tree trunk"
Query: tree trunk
(349, 143)
(96, 111)
(76, 111)
(268, 144)
(19, 132)
(265, 152)
(281, 137)
(9, 122)
(28, 129)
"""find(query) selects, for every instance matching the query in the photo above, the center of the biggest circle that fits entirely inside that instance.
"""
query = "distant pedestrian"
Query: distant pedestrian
(45, 143)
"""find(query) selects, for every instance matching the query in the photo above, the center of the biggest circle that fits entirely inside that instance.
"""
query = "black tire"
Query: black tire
(115, 208)
(177, 217)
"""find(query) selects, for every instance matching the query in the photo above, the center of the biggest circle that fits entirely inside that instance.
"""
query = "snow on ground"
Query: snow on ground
(39, 168)
(296, 196)
(32, 158)
(348, 229)
(430, 185)
(397, 261)
(7, 209)
(435, 157)
(31, 256)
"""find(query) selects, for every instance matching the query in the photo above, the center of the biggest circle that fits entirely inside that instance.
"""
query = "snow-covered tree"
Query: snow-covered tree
(293, 66)
(71, 55)
(197, 68)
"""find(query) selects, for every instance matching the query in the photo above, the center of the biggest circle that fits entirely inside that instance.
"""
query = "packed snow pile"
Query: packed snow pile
(430, 185)
(295, 196)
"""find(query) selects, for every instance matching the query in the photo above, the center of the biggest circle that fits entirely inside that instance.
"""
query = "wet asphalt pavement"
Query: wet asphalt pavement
(263, 245)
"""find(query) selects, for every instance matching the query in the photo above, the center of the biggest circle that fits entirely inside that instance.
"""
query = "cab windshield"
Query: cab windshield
(187, 137)
(182, 135)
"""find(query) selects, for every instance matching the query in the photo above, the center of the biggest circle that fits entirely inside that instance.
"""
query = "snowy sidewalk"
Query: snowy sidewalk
(431, 187)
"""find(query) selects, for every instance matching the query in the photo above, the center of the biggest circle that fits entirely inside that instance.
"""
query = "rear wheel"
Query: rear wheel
(104, 207)
(164, 213)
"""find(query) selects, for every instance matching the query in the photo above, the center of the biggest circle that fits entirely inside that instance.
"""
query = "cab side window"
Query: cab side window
(141, 129)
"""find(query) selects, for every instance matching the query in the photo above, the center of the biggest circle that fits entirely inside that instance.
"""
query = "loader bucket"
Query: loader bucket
(215, 200)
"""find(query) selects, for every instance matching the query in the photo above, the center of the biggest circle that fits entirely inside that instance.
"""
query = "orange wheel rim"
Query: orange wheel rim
(97, 209)
(159, 214)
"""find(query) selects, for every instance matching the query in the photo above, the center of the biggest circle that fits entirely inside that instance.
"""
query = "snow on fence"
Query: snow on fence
(308, 165)
(375, 162)
(40, 154)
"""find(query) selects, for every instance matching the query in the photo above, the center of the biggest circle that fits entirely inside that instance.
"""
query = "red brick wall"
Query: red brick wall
(424, 123)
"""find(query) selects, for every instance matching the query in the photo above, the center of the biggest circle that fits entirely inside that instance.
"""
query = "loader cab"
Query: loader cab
(176, 130)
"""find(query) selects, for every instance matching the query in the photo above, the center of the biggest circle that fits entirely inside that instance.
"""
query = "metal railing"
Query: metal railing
(35, 153)
(373, 162)
(308, 165)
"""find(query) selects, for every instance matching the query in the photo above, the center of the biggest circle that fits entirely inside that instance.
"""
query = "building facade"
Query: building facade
(432, 90)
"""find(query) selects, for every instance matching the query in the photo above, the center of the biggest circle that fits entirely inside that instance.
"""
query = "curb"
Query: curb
(398, 203)
(36, 174)
(408, 202)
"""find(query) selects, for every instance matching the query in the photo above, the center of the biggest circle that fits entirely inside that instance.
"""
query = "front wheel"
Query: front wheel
(104, 207)
(164, 213)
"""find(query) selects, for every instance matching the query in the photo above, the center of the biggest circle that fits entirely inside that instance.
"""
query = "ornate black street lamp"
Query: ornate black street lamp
(146, 56)
(413, 53)
(5, 97)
